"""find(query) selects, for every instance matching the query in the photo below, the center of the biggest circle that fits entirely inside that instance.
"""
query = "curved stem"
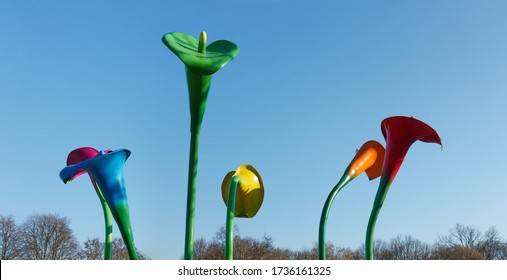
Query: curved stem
(377, 205)
(229, 224)
(108, 243)
(108, 220)
(192, 179)
(325, 212)
(122, 217)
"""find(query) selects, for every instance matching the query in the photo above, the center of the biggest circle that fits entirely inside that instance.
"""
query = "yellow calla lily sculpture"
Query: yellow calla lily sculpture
(246, 190)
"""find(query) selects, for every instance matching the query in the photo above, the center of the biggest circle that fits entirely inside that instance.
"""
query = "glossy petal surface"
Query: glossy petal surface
(104, 169)
(369, 158)
(79, 155)
(400, 133)
(106, 172)
(250, 192)
(186, 47)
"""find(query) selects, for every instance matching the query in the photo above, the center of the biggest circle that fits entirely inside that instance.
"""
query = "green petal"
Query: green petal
(217, 54)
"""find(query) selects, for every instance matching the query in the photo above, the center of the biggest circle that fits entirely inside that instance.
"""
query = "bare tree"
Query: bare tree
(200, 249)
(462, 242)
(460, 235)
(344, 254)
(457, 253)
(490, 245)
(306, 254)
(408, 248)
(93, 249)
(48, 237)
(245, 248)
(280, 254)
(120, 251)
(214, 249)
(253, 249)
(332, 253)
(10, 239)
(380, 251)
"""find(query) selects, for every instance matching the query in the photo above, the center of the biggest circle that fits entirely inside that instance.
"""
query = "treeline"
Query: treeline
(461, 243)
(49, 237)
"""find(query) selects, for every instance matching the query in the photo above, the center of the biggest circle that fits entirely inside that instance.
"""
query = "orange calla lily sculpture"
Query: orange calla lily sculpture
(243, 193)
(400, 133)
(369, 159)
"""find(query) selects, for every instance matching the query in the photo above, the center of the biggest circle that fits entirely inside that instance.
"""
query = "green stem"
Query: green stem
(325, 212)
(229, 225)
(377, 205)
(192, 179)
(108, 243)
(198, 88)
(108, 220)
(122, 217)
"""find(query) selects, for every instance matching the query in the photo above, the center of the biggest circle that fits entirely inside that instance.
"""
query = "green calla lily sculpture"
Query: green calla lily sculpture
(201, 62)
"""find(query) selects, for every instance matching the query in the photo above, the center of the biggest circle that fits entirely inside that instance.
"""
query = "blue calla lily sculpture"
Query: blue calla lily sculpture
(106, 172)
(77, 156)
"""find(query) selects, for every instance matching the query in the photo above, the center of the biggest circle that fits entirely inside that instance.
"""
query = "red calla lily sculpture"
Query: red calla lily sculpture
(400, 133)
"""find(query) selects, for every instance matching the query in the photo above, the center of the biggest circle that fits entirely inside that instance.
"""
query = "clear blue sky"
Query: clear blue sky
(312, 82)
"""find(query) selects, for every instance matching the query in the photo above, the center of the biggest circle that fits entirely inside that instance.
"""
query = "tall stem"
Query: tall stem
(325, 212)
(108, 243)
(229, 225)
(198, 88)
(192, 179)
(108, 221)
(377, 205)
(122, 217)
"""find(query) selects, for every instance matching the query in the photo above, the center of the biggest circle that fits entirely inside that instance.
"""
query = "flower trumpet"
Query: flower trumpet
(106, 172)
(400, 133)
(77, 156)
(201, 62)
(368, 159)
(243, 193)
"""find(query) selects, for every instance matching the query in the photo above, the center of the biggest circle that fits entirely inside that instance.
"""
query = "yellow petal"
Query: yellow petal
(250, 192)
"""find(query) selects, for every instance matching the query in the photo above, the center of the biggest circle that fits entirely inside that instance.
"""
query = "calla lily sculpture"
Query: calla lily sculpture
(201, 62)
(369, 159)
(106, 172)
(400, 133)
(243, 193)
(77, 156)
